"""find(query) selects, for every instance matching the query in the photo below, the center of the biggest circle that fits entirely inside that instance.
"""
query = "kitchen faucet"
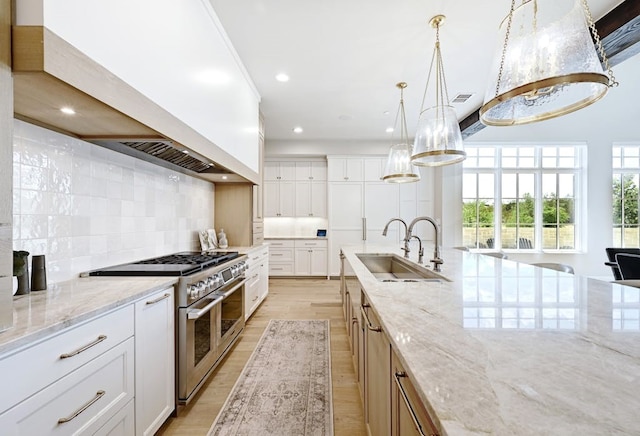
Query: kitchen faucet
(420, 248)
(406, 235)
(436, 253)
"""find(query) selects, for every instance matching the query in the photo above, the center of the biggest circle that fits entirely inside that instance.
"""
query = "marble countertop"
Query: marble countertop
(506, 348)
(41, 313)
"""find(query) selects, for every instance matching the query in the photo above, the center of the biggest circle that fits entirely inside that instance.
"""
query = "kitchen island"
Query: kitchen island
(508, 348)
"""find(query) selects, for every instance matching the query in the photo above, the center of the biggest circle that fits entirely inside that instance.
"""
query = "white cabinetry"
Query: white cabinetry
(313, 170)
(279, 171)
(257, 286)
(281, 257)
(155, 361)
(345, 169)
(279, 199)
(358, 211)
(311, 198)
(310, 258)
(72, 382)
(99, 377)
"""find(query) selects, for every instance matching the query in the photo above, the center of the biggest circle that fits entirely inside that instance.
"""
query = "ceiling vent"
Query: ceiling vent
(462, 98)
(162, 152)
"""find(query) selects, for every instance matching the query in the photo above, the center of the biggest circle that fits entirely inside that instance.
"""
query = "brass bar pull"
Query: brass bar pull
(366, 318)
(99, 395)
(84, 348)
(414, 417)
(159, 299)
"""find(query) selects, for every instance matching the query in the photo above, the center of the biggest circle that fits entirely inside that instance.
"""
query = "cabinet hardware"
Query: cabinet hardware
(99, 395)
(277, 254)
(159, 299)
(354, 320)
(414, 417)
(364, 229)
(84, 348)
(366, 318)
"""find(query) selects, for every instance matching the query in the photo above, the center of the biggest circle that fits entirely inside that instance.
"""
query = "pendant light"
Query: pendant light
(399, 168)
(547, 64)
(438, 140)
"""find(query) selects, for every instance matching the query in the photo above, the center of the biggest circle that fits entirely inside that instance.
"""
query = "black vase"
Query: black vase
(23, 281)
(38, 273)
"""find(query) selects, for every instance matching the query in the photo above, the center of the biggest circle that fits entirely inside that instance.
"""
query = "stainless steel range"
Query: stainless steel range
(209, 312)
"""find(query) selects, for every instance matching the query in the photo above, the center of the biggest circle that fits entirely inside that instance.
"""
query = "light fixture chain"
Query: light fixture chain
(594, 32)
(504, 46)
(426, 88)
(404, 132)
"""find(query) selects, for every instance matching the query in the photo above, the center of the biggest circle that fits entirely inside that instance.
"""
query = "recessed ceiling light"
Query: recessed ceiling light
(67, 110)
(282, 77)
(224, 177)
(185, 151)
(389, 129)
(297, 129)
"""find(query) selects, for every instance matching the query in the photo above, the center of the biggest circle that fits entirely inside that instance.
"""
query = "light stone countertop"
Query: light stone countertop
(42, 313)
(506, 348)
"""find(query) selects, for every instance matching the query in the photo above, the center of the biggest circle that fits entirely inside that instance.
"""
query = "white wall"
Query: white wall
(86, 207)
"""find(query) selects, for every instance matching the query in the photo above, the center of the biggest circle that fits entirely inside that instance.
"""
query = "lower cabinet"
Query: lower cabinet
(257, 286)
(377, 374)
(155, 361)
(299, 257)
(111, 375)
(408, 415)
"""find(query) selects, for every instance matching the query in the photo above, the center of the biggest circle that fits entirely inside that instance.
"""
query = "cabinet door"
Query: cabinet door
(354, 170)
(407, 411)
(155, 361)
(318, 206)
(381, 203)
(374, 169)
(271, 171)
(336, 169)
(346, 206)
(303, 261)
(287, 198)
(252, 291)
(318, 262)
(318, 171)
(271, 199)
(303, 200)
(377, 377)
(257, 203)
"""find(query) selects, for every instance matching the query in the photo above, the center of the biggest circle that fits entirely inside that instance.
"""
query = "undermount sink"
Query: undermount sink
(388, 267)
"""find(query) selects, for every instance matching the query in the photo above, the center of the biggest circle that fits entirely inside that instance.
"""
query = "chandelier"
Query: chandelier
(399, 168)
(547, 65)
(438, 140)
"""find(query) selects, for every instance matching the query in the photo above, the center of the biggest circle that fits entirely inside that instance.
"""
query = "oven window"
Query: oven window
(231, 311)
(202, 338)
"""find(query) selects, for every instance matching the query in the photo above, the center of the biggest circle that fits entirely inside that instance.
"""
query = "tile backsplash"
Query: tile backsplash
(86, 207)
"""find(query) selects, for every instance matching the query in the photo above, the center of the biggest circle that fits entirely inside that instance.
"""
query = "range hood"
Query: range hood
(108, 112)
(165, 153)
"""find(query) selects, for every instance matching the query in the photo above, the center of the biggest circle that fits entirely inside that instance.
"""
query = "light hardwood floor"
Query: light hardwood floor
(288, 299)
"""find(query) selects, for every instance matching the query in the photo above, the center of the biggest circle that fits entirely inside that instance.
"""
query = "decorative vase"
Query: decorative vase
(15, 284)
(23, 282)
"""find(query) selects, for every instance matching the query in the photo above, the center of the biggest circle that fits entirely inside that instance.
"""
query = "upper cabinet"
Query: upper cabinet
(345, 169)
(314, 171)
(185, 84)
(279, 171)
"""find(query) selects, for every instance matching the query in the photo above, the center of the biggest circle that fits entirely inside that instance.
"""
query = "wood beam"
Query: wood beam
(619, 31)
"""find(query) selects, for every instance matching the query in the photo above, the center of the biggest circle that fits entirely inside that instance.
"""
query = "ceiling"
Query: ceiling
(344, 59)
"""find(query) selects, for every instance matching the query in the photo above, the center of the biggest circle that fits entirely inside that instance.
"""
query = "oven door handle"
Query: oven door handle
(195, 314)
(235, 287)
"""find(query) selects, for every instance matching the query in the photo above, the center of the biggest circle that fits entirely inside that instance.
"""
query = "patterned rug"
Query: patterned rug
(285, 387)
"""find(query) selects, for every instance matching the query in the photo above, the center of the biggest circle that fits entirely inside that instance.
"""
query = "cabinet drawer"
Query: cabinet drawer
(257, 256)
(40, 365)
(121, 424)
(280, 243)
(281, 255)
(311, 244)
(258, 238)
(281, 269)
(87, 398)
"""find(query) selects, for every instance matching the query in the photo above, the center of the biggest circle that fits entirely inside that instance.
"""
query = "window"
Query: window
(626, 171)
(523, 197)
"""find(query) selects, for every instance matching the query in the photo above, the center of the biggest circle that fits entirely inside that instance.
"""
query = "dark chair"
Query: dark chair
(611, 255)
(628, 265)
(525, 243)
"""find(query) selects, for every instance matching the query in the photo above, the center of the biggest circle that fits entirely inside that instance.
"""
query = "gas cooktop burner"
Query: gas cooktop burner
(178, 264)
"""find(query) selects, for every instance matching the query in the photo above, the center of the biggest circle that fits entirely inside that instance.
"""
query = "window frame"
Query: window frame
(579, 173)
(620, 172)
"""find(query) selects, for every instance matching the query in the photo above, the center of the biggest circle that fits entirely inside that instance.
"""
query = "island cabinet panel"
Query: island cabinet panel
(155, 361)
(377, 374)
(409, 417)
(257, 287)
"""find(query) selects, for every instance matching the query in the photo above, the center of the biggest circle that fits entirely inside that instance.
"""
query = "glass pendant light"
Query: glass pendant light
(399, 168)
(438, 140)
(547, 65)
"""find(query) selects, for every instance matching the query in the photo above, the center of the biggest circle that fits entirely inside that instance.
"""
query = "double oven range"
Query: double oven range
(209, 308)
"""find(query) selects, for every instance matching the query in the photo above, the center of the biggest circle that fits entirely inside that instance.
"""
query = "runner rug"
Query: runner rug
(285, 387)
